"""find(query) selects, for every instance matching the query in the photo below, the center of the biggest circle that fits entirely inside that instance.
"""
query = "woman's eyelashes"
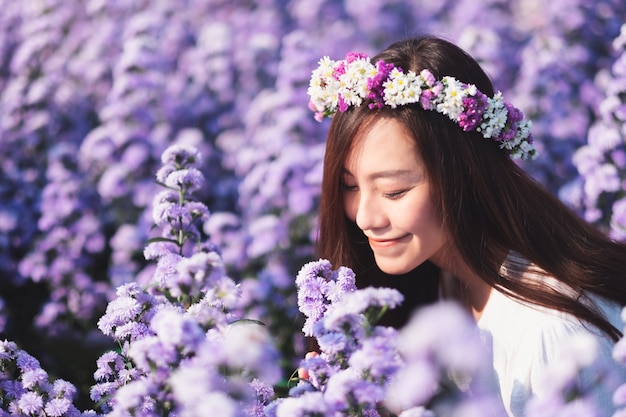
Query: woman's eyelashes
(392, 195)
(349, 187)
(395, 194)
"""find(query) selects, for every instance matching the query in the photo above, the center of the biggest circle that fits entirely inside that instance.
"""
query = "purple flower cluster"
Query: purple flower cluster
(186, 267)
(357, 357)
(375, 84)
(180, 361)
(67, 254)
(555, 80)
(237, 367)
(578, 382)
(446, 367)
(439, 364)
(25, 388)
(473, 109)
(318, 287)
(514, 116)
(179, 330)
(599, 192)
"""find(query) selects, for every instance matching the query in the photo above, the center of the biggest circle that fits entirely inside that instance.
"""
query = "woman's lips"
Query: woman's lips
(386, 243)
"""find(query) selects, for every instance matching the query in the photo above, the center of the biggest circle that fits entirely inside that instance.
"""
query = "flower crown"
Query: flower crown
(341, 84)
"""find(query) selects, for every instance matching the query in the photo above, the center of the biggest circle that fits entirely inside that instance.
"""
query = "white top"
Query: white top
(528, 339)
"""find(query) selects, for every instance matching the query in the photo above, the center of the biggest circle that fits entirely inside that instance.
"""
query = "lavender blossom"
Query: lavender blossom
(25, 388)
(357, 358)
(178, 156)
(618, 220)
(578, 383)
(446, 367)
(308, 404)
(600, 161)
(318, 286)
(178, 329)
(243, 347)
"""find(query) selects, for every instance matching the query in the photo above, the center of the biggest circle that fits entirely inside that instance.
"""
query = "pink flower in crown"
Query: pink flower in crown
(355, 56)
(428, 77)
(318, 115)
(428, 96)
(343, 106)
(340, 69)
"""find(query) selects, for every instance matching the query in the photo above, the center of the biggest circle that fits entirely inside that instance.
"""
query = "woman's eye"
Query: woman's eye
(349, 187)
(395, 195)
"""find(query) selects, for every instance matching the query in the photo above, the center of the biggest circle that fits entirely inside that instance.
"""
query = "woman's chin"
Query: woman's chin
(395, 268)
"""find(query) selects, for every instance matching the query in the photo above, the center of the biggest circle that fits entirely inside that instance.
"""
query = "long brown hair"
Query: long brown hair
(489, 205)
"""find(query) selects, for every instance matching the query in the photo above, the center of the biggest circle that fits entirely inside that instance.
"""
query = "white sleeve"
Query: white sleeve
(565, 353)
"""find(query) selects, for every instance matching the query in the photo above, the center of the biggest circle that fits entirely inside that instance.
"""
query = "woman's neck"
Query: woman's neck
(471, 291)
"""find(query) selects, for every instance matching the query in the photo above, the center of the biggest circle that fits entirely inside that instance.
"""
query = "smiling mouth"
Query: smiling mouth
(385, 243)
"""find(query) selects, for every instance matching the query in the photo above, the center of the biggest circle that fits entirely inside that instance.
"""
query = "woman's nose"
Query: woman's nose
(369, 214)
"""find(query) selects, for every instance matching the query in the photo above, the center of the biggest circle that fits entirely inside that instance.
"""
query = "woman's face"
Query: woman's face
(387, 193)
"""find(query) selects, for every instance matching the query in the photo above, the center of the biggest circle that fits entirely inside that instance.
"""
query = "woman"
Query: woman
(420, 182)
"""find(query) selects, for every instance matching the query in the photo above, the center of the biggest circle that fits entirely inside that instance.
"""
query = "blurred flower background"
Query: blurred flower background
(92, 92)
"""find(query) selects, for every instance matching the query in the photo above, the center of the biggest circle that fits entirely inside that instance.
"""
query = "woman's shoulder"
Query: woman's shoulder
(522, 320)
(521, 323)
(528, 337)
(527, 342)
(548, 320)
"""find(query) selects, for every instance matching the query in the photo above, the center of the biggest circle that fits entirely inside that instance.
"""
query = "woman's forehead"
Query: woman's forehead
(386, 143)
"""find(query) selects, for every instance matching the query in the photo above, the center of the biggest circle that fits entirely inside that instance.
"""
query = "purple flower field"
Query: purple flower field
(160, 174)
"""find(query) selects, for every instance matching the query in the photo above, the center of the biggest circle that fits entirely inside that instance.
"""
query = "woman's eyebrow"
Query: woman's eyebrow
(391, 173)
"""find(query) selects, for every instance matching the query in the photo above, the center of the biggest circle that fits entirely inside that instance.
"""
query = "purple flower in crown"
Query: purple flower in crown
(343, 106)
(375, 84)
(473, 109)
(514, 116)
(429, 94)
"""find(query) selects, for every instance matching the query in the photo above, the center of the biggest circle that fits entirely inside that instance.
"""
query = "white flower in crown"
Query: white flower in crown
(401, 88)
(450, 102)
(339, 85)
(394, 86)
(494, 118)
(413, 89)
